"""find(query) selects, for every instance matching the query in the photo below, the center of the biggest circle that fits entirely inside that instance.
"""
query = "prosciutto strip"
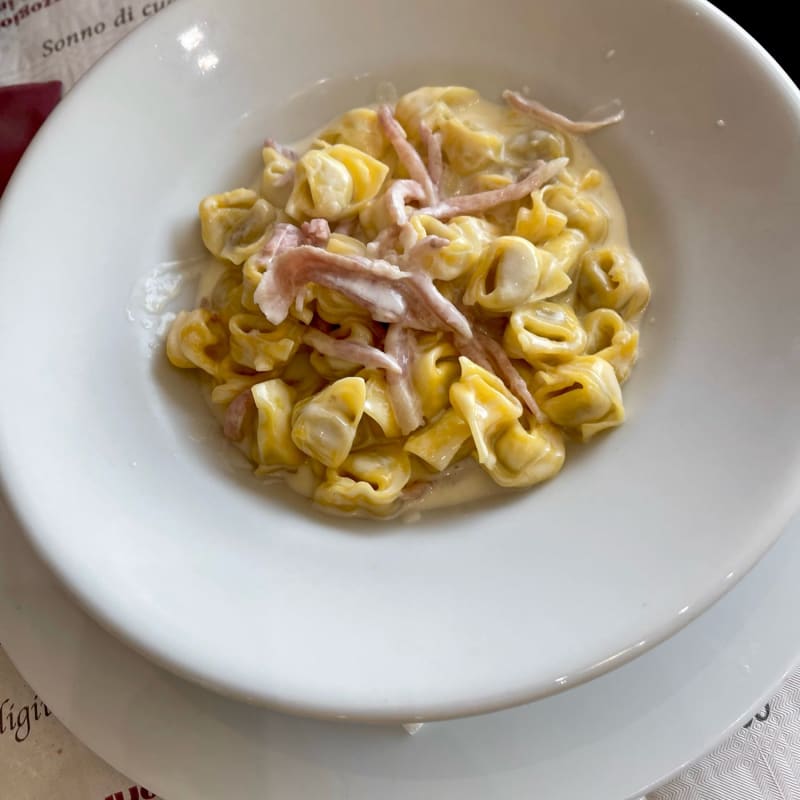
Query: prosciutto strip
(316, 231)
(233, 423)
(406, 152)
(347, 226)
(556, 120)
(488, 353)
(398, 196)
(482, 201)
(349, 350)
(433, 151)
(429, 244)
(389, 293)
(399, 345)
(504, 368)
(284, 237)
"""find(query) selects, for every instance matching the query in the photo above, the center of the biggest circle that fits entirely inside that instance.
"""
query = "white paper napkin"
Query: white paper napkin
(761, 761)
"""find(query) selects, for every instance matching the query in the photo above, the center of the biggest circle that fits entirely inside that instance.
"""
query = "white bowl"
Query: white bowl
(246, 589)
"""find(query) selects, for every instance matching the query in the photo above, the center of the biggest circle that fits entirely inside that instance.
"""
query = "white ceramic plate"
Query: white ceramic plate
(485, 606)
(609, 739)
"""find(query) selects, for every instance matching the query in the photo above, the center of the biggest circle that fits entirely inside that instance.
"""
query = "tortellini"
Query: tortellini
(378, 405)
(324, 425)
(544, 333)
(439, 443)
(358, 128)
(277, 177)
(486, 405)
(468, 148)
(401, 302)
(234, 224)
(334, 182)
(539, 223)
(368, 479)
(197, 339)
(275, 447)
(611, 338)
(258, 344)
(581, 213)
(466, 236)
(513, 448)
(582, 396)
(511, 273)
(433, 371)
(432, 105)
(613, 278)
(527, 453)
(567, 249)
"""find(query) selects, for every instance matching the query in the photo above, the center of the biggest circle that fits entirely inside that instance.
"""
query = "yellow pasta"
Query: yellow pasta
(334, 182)
(582, 396)
(486, 405)
(276, 178)
(432, 105)
(469, 150)
(434, 370)
(274, 401)
(611, 338)
(613, 278)
(526, 453)
(197, 339)
(258, 344)
(358, 128)
(235, 223)
(423, 292)
(439, 443)
(378, 404)
(544, 334)
(511, 273)
(581, 213)
(372, 479)
(540, 223)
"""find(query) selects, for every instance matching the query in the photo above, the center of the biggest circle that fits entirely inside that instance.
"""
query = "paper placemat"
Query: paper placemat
(45, 46)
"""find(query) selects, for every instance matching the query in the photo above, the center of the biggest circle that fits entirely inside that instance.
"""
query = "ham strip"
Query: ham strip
(349, 350)
(347, 227)
(556, 120)
(233, 423)
(397, 198)
(405, 401)
(483, 201)
(488, 353)
(429, 244)
(385, 242)
(433, 152)
(316, 231)
(284, 237)
(389, 293)
(406, 152)
(504, 368)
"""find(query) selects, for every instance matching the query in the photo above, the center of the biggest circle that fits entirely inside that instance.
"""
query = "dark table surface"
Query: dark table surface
(771, 28)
